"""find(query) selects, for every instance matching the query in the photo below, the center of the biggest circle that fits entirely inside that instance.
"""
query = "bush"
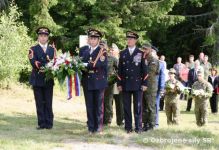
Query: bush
(14, 46)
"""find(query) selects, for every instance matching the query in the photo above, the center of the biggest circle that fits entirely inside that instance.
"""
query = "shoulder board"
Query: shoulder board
(32, 47)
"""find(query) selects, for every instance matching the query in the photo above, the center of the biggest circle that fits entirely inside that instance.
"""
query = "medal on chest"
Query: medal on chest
(137, 59)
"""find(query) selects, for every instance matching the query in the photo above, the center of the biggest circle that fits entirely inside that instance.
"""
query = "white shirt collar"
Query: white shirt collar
(132, 48)
(43, 46)
(93, 48)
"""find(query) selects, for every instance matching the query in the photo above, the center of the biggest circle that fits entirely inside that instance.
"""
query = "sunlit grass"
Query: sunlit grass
(18, 122)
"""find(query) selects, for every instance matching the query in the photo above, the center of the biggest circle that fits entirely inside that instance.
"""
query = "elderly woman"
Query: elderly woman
(214, 80)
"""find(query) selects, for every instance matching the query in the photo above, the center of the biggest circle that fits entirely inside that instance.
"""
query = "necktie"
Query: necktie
(44, 48)
(130, 51)
(91, 51)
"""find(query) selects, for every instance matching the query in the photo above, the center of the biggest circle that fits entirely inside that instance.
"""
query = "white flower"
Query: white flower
(55, 68)
(50, 64)
(199, 92)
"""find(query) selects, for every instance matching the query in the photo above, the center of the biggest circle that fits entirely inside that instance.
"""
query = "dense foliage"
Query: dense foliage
(176, 27)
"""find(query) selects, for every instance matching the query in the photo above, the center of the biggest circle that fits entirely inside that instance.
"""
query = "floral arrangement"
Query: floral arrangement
(62, 67)
(176, 88)
(65, 68)
(200, 93)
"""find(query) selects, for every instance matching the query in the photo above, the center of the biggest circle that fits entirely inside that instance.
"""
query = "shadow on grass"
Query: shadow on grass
(21, 127)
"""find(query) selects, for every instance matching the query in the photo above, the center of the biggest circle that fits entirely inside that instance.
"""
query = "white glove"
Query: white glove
(85, 64)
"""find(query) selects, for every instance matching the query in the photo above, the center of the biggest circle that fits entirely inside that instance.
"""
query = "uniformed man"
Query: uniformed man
(108, 96)
(132, 81)
(207, 66)
(149, 97)
(172, 94)
(95, 81)
(39, 56)
(201, 100)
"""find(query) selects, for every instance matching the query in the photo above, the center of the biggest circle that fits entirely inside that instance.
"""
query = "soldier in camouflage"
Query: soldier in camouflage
(207, 66)
(172, 96)
(108, 95)
(149, 96)
(201, 98)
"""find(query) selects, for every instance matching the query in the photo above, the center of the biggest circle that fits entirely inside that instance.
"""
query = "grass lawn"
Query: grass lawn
(18, 122)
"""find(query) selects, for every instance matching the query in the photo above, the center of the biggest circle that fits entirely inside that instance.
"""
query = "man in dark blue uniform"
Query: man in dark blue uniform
(39, 56)
(132, 73)
(94, 81)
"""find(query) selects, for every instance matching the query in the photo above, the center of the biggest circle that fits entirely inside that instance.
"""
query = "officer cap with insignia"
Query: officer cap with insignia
(131, 34)
(43, 30)
(172, 71)
(94, 33)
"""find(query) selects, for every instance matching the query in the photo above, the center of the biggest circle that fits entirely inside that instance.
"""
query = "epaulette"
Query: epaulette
(33, 46)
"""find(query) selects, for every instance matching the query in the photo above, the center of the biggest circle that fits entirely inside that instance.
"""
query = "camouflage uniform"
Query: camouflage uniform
(206, 68)
(171, 100)
(149, 96)
(108, 96)
(119, 108)
(201, 102)
(172, 104)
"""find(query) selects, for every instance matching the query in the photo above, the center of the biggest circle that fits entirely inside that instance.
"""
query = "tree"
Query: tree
(36, 13)
(212, 34)
(189, 36)
(113, 17)
(39, 15)
(3, 4)
(176, 27)
(14, 45)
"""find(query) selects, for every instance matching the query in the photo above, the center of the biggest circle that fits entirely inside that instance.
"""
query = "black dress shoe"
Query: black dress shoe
(120, 124)
(129, 131)
(150, 128)
(145, 129)
(40, 128)
(138, 131)
(48, 128)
